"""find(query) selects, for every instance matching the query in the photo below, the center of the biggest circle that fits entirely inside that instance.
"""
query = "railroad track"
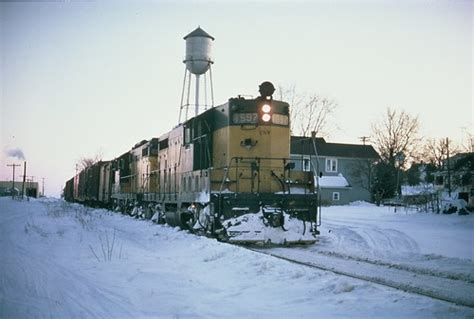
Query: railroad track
(453, 288)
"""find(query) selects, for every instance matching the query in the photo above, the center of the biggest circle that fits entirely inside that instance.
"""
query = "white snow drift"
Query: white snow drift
(62, 260)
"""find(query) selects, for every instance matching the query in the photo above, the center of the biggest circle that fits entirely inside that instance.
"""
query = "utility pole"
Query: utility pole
(13, 181)
(364, 139)
(449, 168)
(24, 178)
(42, 192)
(29, 180)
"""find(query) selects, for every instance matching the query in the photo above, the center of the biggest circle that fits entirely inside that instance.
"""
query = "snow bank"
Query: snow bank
(389, 231)
(251, 227)
(61, 260)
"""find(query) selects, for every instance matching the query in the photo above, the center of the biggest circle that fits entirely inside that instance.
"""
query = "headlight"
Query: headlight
(266, 108)
(266, 117)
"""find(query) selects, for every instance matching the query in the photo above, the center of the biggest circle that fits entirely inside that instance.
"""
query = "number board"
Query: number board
(245, 118)
(252, 118)
(280, 119)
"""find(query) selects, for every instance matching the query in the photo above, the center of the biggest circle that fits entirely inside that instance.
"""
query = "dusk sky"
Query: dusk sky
(85, 78)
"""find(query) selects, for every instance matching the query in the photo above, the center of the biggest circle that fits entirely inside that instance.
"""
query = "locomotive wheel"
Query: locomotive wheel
(148, 213)
(188, 220)
(221, 234)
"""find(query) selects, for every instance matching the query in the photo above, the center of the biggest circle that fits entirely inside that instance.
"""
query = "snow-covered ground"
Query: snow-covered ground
(61, 260)
(393, 232)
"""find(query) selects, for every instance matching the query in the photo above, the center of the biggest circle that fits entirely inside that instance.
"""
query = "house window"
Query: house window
(336, 196)
(331, 165)
(306, 164)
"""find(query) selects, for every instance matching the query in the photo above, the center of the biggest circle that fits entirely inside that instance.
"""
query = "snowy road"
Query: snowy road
(61, 260)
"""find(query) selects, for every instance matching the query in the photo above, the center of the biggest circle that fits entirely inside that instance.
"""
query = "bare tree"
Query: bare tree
(315, 114)
(295, 99)
(396, 137)
(309, 113)
(362, 173)
(86, 162)
(436, 151)
(468, 144)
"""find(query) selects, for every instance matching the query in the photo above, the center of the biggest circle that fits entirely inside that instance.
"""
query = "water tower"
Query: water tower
(198, 61)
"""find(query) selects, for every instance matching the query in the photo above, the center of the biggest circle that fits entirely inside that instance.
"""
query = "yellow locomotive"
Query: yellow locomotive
(226, 172)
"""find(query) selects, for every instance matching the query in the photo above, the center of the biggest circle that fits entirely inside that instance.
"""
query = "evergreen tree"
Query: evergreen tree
(413, 174)
(384, 182)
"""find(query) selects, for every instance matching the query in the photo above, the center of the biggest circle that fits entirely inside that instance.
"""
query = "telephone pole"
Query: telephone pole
(13, 180)
(29, 186)
(449, 168)
(28, 179)
(42, 192)
(364, 139)
(24, 179)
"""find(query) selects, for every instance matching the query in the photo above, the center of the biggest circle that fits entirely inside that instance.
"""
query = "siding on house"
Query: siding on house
(352, 161)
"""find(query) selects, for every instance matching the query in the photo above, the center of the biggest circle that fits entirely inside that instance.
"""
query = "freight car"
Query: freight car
(91, 186)
(225, 172)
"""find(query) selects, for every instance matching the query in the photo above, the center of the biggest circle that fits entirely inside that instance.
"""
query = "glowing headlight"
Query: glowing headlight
(266, 108)
(266, 117)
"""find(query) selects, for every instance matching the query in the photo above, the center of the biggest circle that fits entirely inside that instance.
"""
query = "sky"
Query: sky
(80, 79)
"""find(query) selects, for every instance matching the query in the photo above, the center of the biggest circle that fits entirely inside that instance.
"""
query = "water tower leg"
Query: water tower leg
(197, 95)
(189, 91)
(212, 88)
(182, 96)
(205, 92)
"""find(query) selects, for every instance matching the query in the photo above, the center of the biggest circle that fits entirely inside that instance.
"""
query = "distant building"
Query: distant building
(346, 168)
(457, 176)
(7, 188)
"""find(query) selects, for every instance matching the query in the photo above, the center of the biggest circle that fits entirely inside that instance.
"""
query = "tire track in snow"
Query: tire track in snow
(455, 291)
(418, 270)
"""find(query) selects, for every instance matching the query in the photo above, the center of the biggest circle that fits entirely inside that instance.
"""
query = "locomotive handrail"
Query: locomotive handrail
(241, 159)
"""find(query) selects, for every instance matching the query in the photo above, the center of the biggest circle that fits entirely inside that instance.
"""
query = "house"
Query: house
(344, 169)
(455, 177)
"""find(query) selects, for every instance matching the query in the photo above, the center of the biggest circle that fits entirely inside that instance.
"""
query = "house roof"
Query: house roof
(304, 145)
(338, 181)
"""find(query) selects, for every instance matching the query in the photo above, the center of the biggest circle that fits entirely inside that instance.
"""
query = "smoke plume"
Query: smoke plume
(17, 153)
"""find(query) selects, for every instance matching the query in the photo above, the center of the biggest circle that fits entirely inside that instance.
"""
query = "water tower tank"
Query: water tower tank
(198, 51)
